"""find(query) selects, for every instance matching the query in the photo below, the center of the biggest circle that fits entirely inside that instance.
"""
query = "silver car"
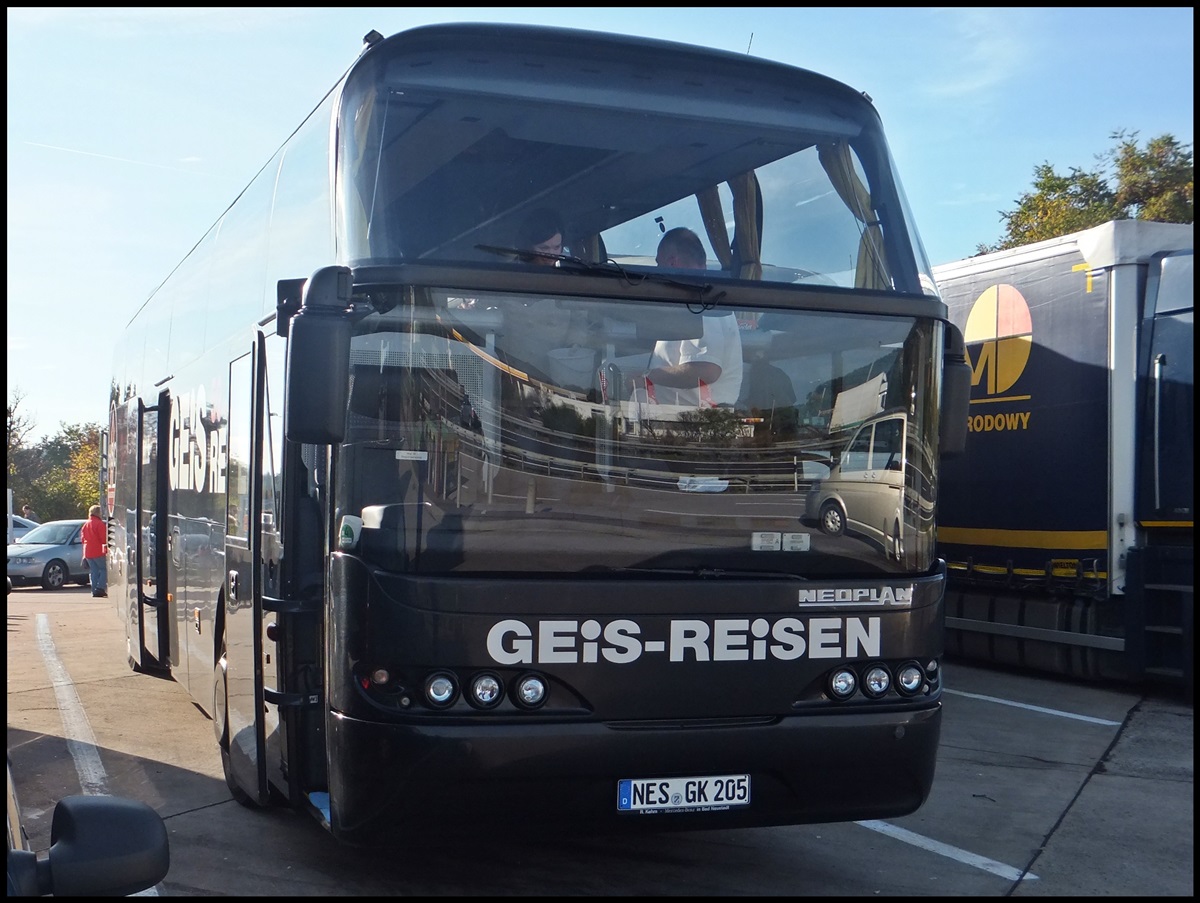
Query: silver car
(20, 526)
(50, 554)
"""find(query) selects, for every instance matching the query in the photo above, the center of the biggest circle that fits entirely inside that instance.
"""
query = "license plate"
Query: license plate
(704, 794)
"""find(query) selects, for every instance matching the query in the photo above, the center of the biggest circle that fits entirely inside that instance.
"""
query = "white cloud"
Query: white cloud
(983, 49)
(71, 150)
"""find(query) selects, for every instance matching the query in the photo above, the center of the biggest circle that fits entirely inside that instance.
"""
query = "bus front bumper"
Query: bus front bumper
(403, 779)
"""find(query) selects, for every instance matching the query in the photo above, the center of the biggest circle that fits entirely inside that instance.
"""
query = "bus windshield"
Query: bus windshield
(515, 432)
(477, 137)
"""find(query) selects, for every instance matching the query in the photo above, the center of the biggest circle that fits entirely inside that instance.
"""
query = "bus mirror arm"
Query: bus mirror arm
(956, 394)
(318, 360)
(289, 294)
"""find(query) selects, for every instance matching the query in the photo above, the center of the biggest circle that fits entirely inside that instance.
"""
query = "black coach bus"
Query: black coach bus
(399, 503)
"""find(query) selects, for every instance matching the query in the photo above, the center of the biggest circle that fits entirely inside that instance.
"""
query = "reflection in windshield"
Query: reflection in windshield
(507, 432)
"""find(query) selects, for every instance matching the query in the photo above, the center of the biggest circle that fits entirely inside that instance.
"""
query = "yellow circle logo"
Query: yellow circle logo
(1000, 322)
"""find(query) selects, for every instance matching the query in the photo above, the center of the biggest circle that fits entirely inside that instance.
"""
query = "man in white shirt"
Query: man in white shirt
(701, 372)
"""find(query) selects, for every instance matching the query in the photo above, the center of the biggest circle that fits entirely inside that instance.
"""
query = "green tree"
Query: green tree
(1152, 183)
(1157, 183)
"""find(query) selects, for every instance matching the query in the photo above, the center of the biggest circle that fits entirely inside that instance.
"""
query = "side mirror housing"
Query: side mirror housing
(318, 360)
(956, 394)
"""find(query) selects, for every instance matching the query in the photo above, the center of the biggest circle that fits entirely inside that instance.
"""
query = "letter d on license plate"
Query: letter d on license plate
(701, 794)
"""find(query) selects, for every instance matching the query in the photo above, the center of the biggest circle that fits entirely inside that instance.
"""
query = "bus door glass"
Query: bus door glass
(238, 622)
(151, 652)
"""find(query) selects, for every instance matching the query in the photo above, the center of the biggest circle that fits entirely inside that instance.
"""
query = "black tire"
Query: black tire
(832, 519)
(55, 574)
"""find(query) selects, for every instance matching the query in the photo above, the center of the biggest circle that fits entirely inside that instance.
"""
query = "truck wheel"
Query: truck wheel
(55, 575)
(833, 519)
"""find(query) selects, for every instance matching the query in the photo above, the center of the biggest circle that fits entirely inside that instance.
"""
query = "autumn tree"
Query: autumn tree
(59, 475)
(22, 461)
(1154, 182)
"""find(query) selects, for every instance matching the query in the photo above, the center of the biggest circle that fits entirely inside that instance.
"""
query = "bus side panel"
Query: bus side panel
(194, 508)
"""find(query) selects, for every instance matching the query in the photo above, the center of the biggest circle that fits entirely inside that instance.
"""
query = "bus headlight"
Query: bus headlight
(440, 689)
(876, 681)
(486, 690)
(530, 691)
(910, 678)
(842, 683)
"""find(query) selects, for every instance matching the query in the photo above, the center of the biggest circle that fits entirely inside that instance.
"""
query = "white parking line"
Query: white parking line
(943, 849)
(81, 742)
(1035, 708)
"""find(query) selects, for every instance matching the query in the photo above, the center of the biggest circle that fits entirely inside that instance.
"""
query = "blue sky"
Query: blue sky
(131, 130)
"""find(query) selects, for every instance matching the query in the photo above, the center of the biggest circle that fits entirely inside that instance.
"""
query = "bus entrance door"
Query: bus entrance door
(150, 652)
(238, 693)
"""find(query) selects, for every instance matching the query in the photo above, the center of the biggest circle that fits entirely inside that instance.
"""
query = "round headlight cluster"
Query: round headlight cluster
(876, 680)
(484, 690)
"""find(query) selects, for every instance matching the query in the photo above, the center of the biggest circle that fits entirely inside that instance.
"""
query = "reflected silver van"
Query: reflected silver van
(864, 492)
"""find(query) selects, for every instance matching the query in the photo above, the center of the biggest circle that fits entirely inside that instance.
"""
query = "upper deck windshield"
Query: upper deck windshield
(446, 146)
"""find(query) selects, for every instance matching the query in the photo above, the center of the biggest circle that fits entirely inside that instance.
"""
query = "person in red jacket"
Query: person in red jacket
(95, 551)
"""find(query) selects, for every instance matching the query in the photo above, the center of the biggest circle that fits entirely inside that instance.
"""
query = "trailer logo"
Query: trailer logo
(999, 330)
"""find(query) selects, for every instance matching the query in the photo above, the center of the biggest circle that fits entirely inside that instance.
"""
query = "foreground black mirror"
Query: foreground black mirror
(99, 846)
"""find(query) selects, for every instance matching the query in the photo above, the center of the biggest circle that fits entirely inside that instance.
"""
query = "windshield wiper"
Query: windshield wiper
(606, 267)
